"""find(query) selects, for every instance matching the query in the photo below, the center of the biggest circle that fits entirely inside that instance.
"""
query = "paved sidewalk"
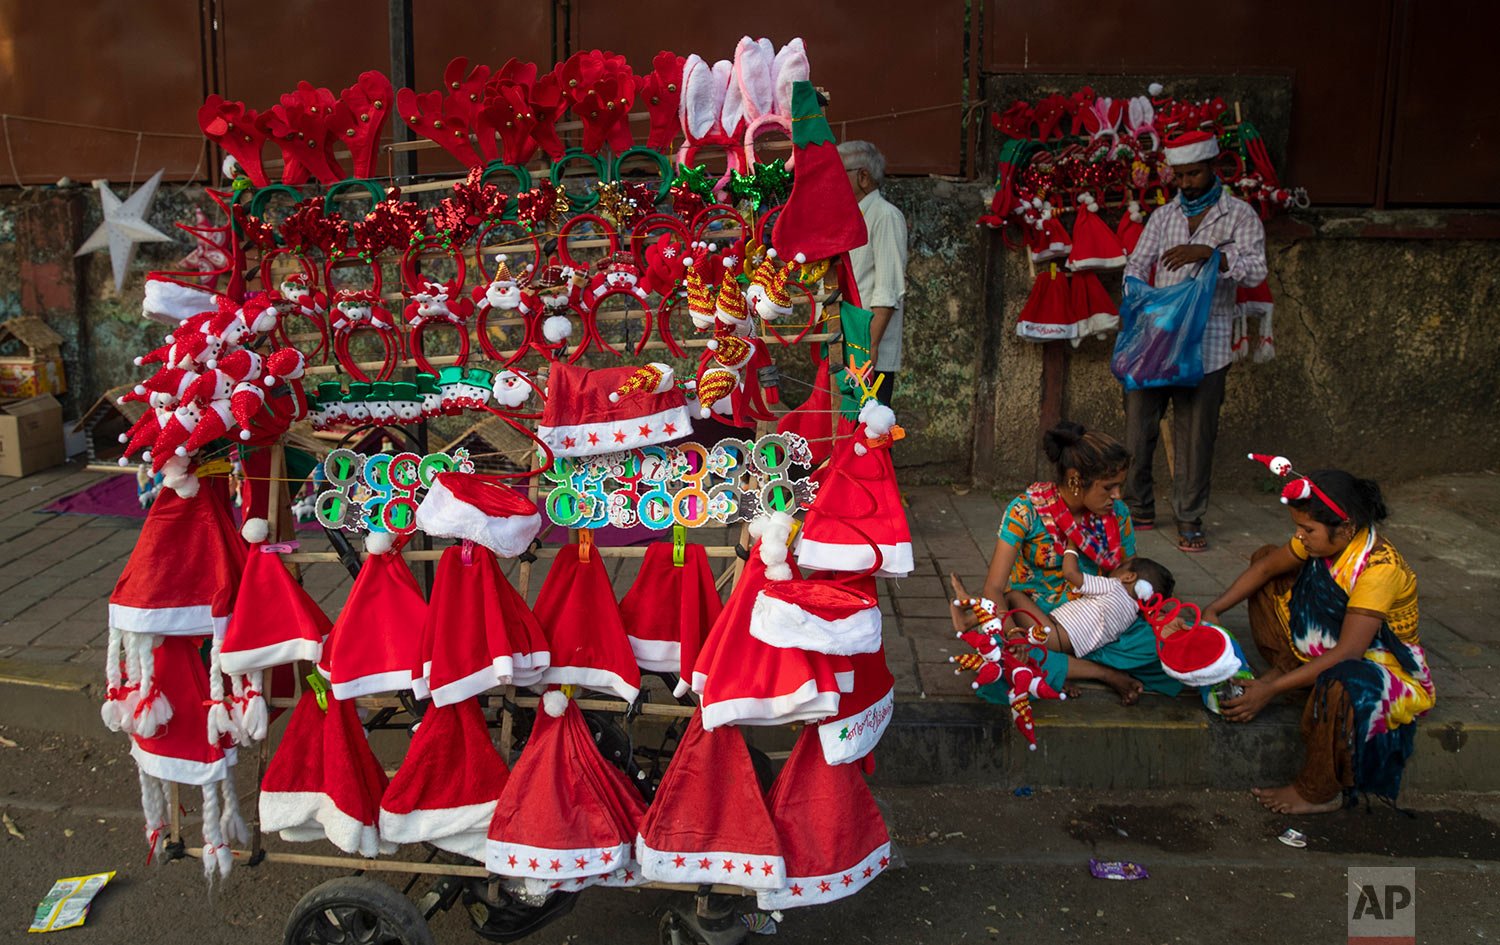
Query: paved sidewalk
(56, 573)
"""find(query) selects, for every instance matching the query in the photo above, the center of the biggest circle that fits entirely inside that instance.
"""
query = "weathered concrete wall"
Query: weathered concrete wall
(1385, 362)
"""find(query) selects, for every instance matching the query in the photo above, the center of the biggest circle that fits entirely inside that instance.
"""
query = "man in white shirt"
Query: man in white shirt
(880, 265)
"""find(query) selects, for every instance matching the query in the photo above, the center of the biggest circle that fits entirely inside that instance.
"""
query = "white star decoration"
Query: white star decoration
(124, 226)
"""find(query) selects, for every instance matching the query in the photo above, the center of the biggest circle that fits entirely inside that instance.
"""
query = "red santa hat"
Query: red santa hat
(858, 505)
(274, 620)
(1048, 239)
(215, 422)
(819, 616)
(479, 633)
(832, 834)
(1201, 655)
(1048, 314)
(323, 781)
(862, 717)
(1132, 224)
(821, 218)
(179, 753)
(376, 642)
(580, 419)
(1191, 147)
(576, 607)
(743, 681)
(1095, 245)
(445, 791)
(183, 574)
(669, 610)
(709, 822)
(482, 509)
(565, 813)
(1094, 312)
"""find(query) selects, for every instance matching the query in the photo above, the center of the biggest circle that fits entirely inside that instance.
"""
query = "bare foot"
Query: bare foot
(1128, 687)
(1072, 691)
(1286, 800)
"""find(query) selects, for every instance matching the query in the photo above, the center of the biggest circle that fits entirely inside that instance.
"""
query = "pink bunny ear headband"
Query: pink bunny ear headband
(1298, 486)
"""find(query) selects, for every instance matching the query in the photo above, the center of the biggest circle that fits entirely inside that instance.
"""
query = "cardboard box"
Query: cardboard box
(31, 435)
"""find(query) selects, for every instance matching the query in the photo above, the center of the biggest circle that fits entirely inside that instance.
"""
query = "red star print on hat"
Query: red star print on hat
(579, 418)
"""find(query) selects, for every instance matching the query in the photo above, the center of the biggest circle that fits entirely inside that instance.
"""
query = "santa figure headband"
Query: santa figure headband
(1298, 487)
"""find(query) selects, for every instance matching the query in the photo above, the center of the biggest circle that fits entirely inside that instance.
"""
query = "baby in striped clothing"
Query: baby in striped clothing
(1101, 608)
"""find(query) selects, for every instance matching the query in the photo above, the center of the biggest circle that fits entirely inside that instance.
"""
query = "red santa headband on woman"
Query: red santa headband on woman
(1298, 487)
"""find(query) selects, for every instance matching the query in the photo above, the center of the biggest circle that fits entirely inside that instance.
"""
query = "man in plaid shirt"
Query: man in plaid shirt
(1178, 238)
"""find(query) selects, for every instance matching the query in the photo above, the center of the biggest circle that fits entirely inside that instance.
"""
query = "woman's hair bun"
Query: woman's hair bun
(1064, 434)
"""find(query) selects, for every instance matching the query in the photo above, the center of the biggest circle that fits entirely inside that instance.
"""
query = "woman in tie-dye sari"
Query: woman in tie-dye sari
(1335, 610)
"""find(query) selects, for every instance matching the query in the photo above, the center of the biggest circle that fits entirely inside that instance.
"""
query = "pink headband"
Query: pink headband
(1298, 487)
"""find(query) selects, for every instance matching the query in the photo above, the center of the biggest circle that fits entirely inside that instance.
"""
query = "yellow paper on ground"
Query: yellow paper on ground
(66, 904)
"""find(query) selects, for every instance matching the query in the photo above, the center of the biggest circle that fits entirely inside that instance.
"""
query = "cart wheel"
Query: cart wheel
(355, 910)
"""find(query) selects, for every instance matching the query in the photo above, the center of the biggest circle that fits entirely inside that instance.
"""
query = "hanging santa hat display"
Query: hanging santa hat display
(577, 610)
(821, 218)
(445, 791)
(1048, 314)
(375, 645)
(275, 621)
(859, 504)
(580, 419)
(482, 509)
(742, 681)
(479, 633)
(1095, 245)
(323, 781)
(832, 834)
(565, 812)
(670, 608)
(708, 822)
(1094, 312)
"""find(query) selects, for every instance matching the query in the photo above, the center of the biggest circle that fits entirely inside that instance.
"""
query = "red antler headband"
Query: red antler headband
(1298, 487)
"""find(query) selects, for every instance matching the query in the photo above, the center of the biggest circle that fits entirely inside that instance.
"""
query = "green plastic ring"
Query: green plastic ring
(579, 204)
(663, 167)
(263, 196)
(521, 176)
(373, 188)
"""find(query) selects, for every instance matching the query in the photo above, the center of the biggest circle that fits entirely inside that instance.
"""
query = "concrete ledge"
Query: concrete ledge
(50, 696)
(1160, 743)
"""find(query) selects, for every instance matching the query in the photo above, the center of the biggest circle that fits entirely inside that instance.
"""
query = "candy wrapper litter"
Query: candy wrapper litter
(1117, 869)
(66, 904)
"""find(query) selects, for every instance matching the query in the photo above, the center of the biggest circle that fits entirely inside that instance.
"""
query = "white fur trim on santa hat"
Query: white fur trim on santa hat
(1225, 666)
(850, 738)
(516, 859)
(656, 656)
(372, 685)
(815, 890)
(1193, 153)
(351, 834)
(604, 439)
(266, 657)
(444, 515)
(803, 704)
(723, 866)
(170, 302)
(458, 830)
(182, 770)
(498, 673)
(601, 680)
(895, 560)
(191, 621)
(555, 703)
(786, 625)
(293, 814)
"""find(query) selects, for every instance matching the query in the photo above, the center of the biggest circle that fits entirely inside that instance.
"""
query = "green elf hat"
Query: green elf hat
(330, 392)
(427, 383)
(821, 218)
(479, 377)
(450, 376)
(359, 392)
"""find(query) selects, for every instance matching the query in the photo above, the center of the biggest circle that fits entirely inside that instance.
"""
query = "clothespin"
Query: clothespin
(319, 686)
(585, 544)
(1052, 267)
(679, 545)
(568, 689)
(468, 552)
(216, 467)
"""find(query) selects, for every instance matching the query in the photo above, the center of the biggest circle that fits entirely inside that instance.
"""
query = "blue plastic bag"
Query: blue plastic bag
(1161, 330)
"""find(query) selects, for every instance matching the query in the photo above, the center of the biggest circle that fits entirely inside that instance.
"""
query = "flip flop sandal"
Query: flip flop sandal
(1192, 541)
(1143, 525)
